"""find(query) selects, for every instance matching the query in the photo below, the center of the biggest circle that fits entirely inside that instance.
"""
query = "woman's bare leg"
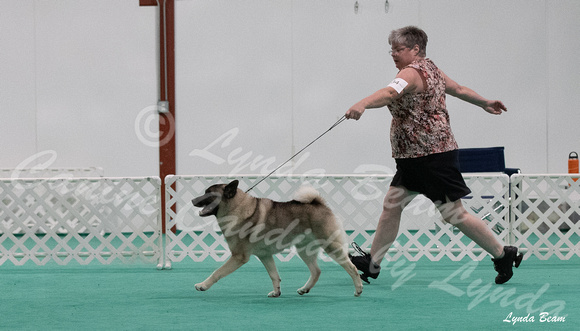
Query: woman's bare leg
(395, 201)
(473, 227)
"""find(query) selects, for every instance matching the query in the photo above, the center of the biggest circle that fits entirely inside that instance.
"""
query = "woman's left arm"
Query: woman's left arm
(466, 94)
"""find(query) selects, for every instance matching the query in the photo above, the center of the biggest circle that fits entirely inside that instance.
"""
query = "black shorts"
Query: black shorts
(436, 176)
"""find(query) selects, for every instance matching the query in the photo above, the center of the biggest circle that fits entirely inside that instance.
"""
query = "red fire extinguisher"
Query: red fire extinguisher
(573, 164)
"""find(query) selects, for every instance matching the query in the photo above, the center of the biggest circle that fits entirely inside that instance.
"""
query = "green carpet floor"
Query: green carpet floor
(421, 295)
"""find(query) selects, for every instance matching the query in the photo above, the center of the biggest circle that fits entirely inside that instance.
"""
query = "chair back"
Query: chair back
(487, 159)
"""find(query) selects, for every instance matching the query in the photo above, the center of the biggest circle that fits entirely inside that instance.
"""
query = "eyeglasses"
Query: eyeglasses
(397, 51)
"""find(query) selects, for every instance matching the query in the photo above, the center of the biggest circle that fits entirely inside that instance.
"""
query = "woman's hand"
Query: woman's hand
(355, 112)
(494, 107)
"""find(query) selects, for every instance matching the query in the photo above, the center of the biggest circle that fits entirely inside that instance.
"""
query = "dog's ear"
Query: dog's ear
(231, 189)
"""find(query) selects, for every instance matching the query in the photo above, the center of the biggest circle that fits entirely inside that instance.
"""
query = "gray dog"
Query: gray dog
(263, 227)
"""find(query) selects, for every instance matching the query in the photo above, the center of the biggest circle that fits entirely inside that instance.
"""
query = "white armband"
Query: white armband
(398, 84)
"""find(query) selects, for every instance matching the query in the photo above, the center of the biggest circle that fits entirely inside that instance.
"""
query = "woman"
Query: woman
(425, 152)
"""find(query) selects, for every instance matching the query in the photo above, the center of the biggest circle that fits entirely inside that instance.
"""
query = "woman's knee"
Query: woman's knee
(453, 212)
(397, 198)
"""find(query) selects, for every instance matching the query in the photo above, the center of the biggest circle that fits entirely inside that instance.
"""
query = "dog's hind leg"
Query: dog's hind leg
(311, 260)
(270, 265)
(336, 249)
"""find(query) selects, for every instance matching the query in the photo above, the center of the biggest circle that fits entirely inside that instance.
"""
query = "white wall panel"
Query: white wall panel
(233, 77)
(93, 70)
(76, 76)
(562, 85)
(101, 54)
(17, 82)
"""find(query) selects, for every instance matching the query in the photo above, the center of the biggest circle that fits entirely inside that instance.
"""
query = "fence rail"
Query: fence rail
(51, 173)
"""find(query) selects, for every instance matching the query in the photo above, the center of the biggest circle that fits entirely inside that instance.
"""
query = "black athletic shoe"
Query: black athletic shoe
(363, 264)
(504, 265)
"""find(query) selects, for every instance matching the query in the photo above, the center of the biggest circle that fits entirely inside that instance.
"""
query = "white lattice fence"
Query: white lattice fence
(83, 220)
(104, 219)
(356, 200)
(51, 173)
(545, 215)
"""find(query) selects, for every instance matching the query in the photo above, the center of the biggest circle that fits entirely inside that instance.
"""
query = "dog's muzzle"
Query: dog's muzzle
(209, 202)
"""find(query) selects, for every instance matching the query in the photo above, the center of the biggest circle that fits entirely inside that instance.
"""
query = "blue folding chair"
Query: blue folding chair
(487, 159)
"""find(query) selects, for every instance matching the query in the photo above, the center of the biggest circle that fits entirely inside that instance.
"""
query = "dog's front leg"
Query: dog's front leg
(231, 265)
(270, 265)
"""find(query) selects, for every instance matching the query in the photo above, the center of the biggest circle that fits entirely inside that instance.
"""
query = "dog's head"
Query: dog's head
(214, 197)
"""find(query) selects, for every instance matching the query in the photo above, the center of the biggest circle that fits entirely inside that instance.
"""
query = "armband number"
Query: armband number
(398, 84)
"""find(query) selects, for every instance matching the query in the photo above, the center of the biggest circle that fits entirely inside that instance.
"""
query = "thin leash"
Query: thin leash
(342, 119)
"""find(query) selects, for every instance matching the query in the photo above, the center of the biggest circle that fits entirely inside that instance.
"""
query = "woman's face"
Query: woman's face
(403, 55)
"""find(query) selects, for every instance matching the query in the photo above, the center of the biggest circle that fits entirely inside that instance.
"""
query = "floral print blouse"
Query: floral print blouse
(420, 124)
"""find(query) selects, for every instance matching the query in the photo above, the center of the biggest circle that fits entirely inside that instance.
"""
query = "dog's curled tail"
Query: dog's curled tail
(308, 194)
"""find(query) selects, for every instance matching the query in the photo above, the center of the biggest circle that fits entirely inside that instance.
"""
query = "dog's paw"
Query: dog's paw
(303, 290)
(274, 294)
(357, 293)
(200, 287)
